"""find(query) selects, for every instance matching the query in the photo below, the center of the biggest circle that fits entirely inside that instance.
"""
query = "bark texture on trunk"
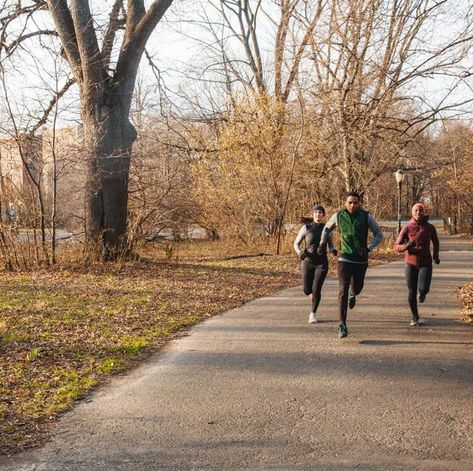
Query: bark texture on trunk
(109, 137)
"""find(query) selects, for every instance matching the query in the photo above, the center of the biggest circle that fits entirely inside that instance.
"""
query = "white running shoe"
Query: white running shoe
(312, 318)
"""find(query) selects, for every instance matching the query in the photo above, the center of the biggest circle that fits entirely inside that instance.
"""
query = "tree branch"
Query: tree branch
(113, 26)
(11, 48)
(148, 23)
(91, 57)
(51, 105)
(65, 28)
(135, 42)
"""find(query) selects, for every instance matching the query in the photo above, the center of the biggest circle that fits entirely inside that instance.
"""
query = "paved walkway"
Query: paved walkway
(258, 388)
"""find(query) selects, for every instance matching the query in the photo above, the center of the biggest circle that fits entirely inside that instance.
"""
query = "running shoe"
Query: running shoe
(420, 297)
(351, 300)
(342, 331)
(313, 318)
(415, 322)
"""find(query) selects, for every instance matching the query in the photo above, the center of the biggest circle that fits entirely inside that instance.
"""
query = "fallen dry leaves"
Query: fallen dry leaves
(465, 297)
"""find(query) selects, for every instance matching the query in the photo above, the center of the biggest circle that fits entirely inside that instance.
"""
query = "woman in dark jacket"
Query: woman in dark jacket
(415, 240)
(314, 265)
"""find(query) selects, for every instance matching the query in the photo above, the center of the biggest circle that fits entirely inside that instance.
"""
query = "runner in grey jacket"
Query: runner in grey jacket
(314, 265)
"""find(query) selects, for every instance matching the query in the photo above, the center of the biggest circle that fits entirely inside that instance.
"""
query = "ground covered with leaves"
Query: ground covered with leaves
(64, 330)
(465, 296)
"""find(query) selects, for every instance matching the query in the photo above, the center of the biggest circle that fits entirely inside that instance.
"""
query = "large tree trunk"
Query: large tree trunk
(109, 137)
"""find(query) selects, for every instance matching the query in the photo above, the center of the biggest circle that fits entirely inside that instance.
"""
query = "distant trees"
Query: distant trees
(22, 143)
(159, 183)
(289, 102)
(452, 182)
(367, 64)
(344, 80)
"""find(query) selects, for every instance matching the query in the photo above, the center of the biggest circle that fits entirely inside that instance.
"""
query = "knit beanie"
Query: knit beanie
(418, 205)
(318, 207)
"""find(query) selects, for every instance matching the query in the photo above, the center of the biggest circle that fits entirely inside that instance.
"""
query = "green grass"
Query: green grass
(110, 365)
(130, 345)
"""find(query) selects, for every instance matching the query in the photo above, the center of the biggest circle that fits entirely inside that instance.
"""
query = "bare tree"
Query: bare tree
(255, 51)
(369, 61)
(24, 123)
(103, 56)
(106, 93)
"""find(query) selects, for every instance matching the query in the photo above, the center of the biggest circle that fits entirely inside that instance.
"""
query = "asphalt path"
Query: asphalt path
(259, 388)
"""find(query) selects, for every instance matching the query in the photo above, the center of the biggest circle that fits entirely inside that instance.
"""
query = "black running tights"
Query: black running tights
(418, 279)
(313, 277)
(349, 274)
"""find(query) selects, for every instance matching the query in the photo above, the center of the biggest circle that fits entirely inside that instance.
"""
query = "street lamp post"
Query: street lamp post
(399, 175)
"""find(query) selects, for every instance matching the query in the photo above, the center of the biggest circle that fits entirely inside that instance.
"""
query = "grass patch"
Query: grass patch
(110, 365)
(130, 345)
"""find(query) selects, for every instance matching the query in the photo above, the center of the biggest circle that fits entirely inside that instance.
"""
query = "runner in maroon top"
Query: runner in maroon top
(415, 241)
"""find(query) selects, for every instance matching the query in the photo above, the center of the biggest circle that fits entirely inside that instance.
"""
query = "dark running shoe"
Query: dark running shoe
(415, 322)
(342, 331)
(351, 300)
(420, 297)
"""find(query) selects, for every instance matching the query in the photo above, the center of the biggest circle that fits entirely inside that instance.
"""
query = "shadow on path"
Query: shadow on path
(409, 342)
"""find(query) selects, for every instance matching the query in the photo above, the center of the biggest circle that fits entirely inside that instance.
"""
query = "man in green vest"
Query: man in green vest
(353, 224)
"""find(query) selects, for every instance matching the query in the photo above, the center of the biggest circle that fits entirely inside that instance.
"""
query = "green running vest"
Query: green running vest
(353, 234)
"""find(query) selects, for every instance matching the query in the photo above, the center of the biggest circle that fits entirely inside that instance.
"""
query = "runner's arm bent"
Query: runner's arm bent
(298, 242)
(377, 233)
(330, 225)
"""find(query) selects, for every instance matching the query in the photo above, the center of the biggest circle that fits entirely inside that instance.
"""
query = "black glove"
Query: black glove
(302, 256)
(364, 252)
(334, 252)
(436, 260)
(320, 250)
(410, 244)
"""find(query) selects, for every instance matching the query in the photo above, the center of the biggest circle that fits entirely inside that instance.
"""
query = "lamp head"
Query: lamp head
(399, 175)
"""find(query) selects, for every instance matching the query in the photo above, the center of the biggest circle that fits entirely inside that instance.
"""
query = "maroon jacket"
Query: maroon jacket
(422, 233)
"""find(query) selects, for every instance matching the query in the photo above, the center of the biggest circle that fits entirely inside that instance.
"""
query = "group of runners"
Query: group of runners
(418, 240)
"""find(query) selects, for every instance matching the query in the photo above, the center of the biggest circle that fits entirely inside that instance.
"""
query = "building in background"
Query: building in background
(52, 163)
